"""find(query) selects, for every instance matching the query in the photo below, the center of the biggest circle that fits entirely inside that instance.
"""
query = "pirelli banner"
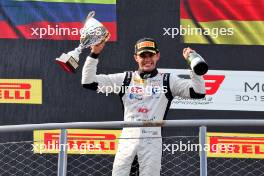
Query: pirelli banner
(235, 145)
(225, 90)
(22, 91)
(80, 141)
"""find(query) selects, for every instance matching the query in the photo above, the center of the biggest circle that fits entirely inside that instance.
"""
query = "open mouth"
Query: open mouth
(148, 64)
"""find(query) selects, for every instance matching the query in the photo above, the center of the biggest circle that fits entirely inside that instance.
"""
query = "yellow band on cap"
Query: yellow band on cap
(146, 44)
(144, 51)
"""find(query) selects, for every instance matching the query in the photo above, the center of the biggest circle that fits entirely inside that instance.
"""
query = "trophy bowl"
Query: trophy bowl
(92, 33)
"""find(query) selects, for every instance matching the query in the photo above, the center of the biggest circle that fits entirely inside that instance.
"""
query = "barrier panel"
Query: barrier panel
(182, 155)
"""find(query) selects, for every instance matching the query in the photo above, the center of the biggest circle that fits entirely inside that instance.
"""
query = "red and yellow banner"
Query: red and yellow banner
(223, 22)
(235, 145)
(25, 91)
(79, 141)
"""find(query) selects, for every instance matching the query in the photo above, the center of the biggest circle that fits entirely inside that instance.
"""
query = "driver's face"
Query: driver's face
(147, 61)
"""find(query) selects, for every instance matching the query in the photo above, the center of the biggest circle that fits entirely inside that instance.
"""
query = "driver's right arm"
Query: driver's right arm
(101, 83)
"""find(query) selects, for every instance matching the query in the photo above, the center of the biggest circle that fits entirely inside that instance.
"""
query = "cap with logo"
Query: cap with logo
(146, 45)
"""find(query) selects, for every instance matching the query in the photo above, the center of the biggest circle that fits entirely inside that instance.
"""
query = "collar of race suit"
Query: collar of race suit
(145, 75)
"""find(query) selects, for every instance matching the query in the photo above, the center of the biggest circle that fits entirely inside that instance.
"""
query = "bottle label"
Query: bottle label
(195, 61)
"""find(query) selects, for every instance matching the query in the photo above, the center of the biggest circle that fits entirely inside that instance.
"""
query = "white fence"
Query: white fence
(17, 158)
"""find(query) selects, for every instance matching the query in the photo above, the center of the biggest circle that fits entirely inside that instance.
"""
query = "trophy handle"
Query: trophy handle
(90, 15)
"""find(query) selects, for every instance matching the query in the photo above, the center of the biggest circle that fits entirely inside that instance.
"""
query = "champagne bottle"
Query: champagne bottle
(197, 63)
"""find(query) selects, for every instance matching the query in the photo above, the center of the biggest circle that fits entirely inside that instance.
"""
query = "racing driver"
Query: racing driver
(147, 97)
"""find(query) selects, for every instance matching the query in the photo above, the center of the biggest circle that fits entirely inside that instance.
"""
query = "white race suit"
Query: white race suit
(147, 98)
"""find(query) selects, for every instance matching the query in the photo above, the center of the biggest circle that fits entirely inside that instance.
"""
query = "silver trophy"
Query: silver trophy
(92, 33)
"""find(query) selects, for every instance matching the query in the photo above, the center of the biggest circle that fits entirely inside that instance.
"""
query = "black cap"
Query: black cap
(146, 45)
